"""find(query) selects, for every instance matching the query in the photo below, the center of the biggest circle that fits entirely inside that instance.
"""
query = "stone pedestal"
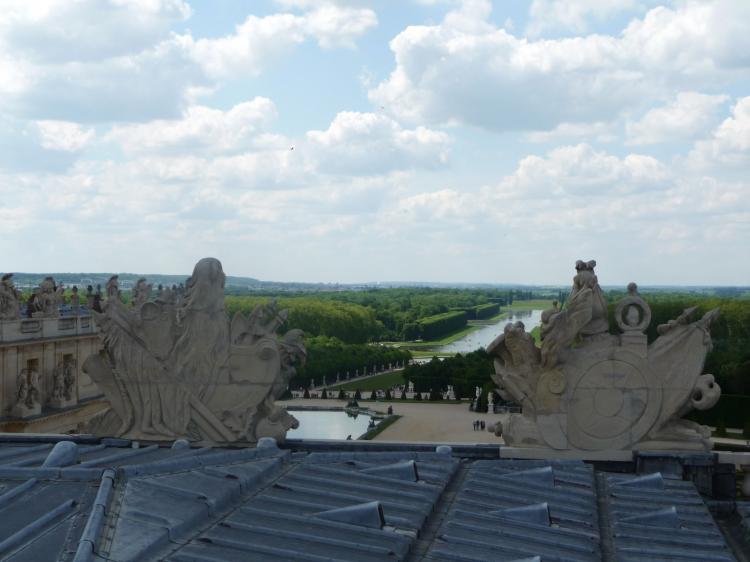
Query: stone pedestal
(635, 342)
(22, 411)
(60, 403)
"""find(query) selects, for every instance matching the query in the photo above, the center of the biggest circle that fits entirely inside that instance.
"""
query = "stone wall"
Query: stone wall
(46, 346)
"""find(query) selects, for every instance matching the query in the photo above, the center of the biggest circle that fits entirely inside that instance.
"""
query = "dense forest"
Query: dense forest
(388, 314)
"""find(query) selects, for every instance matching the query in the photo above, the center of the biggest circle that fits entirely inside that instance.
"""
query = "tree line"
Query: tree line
(327, 357)
(392, 314)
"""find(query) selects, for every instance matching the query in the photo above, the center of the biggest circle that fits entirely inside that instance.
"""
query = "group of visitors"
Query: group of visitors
(479, 425)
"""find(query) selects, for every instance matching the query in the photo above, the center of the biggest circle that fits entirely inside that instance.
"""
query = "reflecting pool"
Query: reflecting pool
(327, 424)
(484, 336)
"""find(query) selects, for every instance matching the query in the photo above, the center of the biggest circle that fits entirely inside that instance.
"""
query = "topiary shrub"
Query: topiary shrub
(324, 394)
(357, 395)
(374, 395)
(342, 394)
(306, 394)
(388, 394)
(418, 396)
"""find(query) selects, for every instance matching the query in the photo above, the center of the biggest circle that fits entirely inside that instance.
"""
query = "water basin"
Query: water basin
(328, 424)
(484, 336)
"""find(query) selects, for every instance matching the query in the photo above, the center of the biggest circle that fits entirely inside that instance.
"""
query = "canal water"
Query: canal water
(328, 424)
(484, 336)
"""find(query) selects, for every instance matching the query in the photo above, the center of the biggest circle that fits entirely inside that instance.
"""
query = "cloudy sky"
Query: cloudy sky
(355, 140)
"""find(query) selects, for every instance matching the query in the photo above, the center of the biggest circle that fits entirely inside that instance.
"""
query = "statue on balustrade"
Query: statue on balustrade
(172, 369)
(10, 299)
(141, 292)
(46, 299)
(587, 389)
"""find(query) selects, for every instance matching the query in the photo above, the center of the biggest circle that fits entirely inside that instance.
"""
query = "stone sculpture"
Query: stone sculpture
(587, 389)
(69, 379)
(58, 385)
(141, 292)
(75, 300)
(183, 371)
(112, 287)
(10, 299)
(27, 396)
(46, 299)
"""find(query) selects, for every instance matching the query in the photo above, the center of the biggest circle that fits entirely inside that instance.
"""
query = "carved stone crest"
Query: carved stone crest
(587, 389)
(178, 368)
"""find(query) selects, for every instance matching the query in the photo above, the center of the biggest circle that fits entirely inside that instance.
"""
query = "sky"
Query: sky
(383, 140)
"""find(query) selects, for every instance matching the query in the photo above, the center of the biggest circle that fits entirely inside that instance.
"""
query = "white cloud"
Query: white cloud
(600, 131)
(581, 170)
(117, 60)
(259, 41)
(59, 31)
(467, 71)
(62, 135)
(572, 15)
(369, 143)
(687, 116)
(729, 145)
(200, 129)
(237, 148)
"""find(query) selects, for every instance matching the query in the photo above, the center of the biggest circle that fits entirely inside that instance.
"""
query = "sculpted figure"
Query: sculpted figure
(141, 292)
(10, 299)
(90, 297)
(75, 300)
(58, 384)
(59, 295)
(22, 394)
(182, 370)
(69, 379)
(46, 299)
(591, 390)
(112, 288)
(27, 395)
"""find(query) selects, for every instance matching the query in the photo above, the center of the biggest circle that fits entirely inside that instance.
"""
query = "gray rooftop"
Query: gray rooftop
(113, 500)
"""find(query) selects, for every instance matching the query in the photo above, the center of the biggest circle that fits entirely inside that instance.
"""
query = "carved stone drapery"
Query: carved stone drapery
(178, 368)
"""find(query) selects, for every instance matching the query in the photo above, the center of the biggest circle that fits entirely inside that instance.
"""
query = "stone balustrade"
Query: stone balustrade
(26, 329)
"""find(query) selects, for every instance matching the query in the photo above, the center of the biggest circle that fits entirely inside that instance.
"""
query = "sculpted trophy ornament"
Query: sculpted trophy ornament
(180, 369)
(587, 389)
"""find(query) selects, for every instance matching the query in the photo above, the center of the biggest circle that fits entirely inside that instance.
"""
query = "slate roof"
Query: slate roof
(113, 500)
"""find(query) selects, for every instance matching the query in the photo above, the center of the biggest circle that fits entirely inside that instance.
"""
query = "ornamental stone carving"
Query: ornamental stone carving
(179, 369)
(10, 299)
(27, 395)
(587, 389)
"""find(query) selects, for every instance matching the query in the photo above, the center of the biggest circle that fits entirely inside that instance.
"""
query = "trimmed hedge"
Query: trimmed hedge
(482, 311)
(732, 410)
(433, 327)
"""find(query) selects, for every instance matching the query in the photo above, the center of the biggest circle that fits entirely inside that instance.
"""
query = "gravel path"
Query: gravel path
(428, 422)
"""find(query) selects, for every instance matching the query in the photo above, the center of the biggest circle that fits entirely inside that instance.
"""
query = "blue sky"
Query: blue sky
(356, 140)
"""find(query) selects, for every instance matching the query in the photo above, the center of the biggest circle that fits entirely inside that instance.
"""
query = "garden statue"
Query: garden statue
(587, 389)
(184, 371)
